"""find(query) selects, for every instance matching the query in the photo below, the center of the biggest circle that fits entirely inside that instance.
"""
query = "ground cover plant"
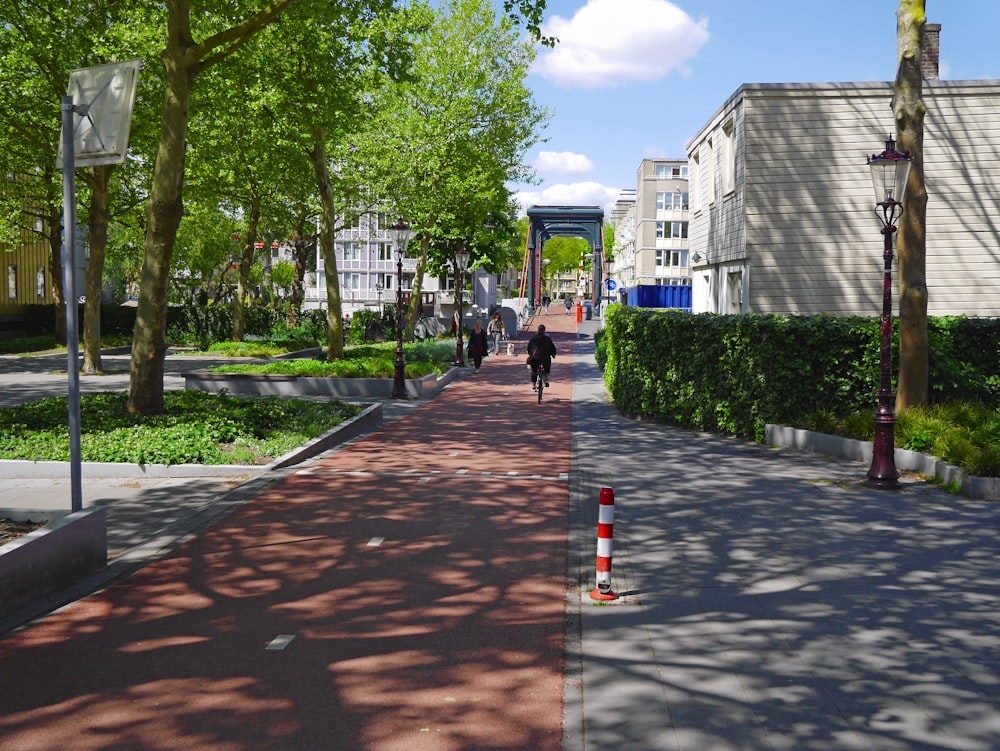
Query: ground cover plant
(965, 434)
(198, 428)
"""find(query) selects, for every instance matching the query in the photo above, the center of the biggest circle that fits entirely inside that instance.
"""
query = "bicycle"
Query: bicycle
(540, 382)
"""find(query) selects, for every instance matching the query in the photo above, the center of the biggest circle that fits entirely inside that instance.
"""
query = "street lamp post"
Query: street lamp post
(461, 264)
(400, 233)
(378, 292)
(890, 171)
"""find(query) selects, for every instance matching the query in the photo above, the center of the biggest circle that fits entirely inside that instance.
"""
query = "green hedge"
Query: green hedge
(734, 374)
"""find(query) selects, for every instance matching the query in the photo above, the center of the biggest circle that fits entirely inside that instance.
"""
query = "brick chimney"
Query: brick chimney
(930, 51)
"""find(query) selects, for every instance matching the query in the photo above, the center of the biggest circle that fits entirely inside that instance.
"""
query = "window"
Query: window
(662, 257)
(678, 258)
(673, 230)
(352, 251)
(695, 184)
(384, 252)
(40, 282)
(12, 282)
(446, 283)
(671, 171)
(671, 201)
(710, 171)
(728, 158)
(352, 281)
(385, 280)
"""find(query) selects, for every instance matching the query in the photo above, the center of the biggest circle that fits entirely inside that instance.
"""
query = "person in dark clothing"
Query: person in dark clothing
(477, 345)
(541, 350)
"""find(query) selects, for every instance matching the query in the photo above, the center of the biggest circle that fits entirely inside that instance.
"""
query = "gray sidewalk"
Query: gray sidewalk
(771, 601)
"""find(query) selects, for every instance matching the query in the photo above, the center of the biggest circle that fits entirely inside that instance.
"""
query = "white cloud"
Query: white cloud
(563, 162)
(571, 194)
(610, 43)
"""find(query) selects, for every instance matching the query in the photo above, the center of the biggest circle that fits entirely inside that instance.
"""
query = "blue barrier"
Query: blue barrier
(660, 296)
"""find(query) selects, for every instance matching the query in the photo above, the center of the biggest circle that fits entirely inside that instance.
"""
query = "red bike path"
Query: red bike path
(406, 592)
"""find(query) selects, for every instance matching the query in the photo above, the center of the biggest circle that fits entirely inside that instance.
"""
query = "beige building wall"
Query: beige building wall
(782, 214)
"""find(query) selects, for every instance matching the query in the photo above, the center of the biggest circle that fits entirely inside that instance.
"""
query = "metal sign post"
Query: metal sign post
(102, 97)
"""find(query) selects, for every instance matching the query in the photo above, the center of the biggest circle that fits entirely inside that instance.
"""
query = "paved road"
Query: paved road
(433, 578)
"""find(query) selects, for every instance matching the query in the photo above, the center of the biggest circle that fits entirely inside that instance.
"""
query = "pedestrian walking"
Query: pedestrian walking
(546, 301)
(477, 345)
(569, 304)
(496, 331)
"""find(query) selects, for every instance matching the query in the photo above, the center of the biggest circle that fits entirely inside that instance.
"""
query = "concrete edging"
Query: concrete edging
(984, 488)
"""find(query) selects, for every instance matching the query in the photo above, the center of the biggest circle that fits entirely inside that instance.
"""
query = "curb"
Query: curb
(982, 488)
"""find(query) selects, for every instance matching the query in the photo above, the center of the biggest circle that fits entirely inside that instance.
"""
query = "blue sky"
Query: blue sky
(637, 78)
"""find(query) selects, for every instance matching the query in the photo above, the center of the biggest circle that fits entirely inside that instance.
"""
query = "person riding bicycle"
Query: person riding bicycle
(541, 350)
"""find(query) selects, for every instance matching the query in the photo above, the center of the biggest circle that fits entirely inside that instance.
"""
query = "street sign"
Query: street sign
(611, 284)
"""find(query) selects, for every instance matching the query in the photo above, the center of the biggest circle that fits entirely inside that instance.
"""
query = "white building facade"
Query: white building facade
(652, 227)
(367, 268)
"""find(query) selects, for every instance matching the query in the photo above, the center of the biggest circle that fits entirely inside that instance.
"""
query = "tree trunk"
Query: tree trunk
(53, 234)
(418, 280)
(908, 110)
(243, 279)
(298, 280)
(163, 216)
(98, 178)
(328, 218)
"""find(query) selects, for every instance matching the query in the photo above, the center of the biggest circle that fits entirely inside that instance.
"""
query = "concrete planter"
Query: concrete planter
(54, 556)
(985, 488)
(290, 385)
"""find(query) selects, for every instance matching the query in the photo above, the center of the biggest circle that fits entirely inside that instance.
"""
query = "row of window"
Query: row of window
(671, 201)
(671, 171)
(12, 282)
(676, 230)
(351, 251)
(703, 166)
(666, 258)
(351, 281)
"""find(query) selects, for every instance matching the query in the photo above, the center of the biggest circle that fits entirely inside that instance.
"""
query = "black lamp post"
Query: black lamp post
(461, 264)
(378, 292)
(890, 171)
(400, 233)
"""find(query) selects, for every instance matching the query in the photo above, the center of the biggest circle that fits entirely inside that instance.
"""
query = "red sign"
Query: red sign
(258, 245)
(274, 246)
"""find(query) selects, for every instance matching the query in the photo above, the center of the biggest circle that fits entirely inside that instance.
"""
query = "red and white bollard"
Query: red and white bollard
(605, 533)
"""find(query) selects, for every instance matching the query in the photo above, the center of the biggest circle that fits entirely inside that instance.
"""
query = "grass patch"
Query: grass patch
(251, 348)
(197, 428)
(363, 361)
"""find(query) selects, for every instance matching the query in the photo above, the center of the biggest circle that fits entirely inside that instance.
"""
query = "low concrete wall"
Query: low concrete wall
(264, 384)
(52, 557)
(986, 488)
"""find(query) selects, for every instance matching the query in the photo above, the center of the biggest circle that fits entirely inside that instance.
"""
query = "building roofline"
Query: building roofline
(837, 89)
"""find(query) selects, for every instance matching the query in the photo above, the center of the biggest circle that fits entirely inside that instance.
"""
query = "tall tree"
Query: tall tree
(183, 58)
(449, 140)
(908, 110)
